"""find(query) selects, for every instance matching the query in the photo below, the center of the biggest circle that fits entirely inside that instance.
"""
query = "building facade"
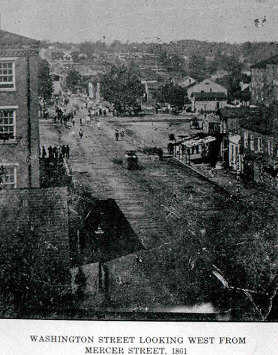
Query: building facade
(264, 81)
(19, 107)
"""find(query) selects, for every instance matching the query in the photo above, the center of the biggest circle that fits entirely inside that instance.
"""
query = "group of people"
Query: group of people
(55, 152)
(119, 133)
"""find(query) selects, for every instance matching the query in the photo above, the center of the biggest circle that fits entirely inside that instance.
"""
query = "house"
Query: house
(19, 110)
(211, 123)
(264, 81)
(151, 87)
(231, 119)
(186, 82)
(207, 101)
(207, 96)
(260, 145)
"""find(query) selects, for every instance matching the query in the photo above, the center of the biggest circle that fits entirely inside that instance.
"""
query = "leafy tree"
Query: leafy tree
(73, 80)
(121, 86)
(45, 82)
(33, 277)
(171, 61)
(241, 241)
(197, 66)
(172, 94)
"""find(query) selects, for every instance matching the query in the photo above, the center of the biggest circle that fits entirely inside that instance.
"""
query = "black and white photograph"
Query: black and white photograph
(139, 161)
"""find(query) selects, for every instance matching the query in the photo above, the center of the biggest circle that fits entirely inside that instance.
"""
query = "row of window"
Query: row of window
(256, 144)
(7, 122)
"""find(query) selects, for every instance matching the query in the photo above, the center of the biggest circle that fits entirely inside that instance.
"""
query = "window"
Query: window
(252, 143)
(7, 177)
(7, 75)
(7, 124)
(260, 148)
(270, 147)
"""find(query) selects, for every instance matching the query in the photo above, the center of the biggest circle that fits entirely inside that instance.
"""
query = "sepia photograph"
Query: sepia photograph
(139, 161)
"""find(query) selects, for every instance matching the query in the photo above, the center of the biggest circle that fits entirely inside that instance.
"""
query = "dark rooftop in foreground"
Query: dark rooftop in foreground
(8, 39)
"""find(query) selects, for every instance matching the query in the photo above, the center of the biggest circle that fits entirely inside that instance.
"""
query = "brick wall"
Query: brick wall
(27, 141)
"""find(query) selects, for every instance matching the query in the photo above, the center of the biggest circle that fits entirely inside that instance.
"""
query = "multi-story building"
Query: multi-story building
(19, 107)
(264, 81)
(260, 144)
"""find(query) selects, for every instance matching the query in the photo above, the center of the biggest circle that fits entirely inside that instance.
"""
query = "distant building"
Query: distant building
(186, 82)
(208, 101)
(19, 109)
(207, 96)
(264, 81)
(151, 88)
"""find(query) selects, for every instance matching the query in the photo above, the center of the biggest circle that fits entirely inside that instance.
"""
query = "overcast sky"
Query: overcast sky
(141, 20)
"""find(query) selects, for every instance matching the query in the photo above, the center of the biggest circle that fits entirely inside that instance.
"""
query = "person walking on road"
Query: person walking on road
(116, 134)
(80, 133)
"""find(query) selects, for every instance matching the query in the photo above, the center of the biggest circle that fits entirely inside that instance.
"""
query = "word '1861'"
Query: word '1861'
(179, 351)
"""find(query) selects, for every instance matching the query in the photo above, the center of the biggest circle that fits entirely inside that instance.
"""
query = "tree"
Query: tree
(242, 245)
(121, 86)
(197, 67)
(45, 82)
(172, 94)
(73, 80)
(33, 277)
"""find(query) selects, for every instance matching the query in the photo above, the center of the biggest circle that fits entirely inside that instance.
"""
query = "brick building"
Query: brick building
(19, 106)
(264, 81)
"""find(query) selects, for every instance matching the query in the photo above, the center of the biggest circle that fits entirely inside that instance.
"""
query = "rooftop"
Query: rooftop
(264, 63)
(8, 39)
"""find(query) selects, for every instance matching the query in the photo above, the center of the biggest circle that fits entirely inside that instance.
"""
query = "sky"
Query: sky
(141, 20)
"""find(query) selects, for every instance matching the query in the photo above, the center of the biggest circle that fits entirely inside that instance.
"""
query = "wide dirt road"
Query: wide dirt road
(149, 197)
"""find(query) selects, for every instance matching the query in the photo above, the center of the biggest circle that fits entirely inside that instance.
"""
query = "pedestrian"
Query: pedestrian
(122, 133)
(73, 122)
(55, 152)
(80, 133)
(50, 152)
(43, 152)
(116, 134)
(64, 151)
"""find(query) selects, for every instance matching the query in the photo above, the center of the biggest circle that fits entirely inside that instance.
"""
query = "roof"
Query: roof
(239, 112)
(264, 63)
(193, 142)
(263, 125)
(212, 118)
(209, 96)
(8, 39)
(45, 209)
